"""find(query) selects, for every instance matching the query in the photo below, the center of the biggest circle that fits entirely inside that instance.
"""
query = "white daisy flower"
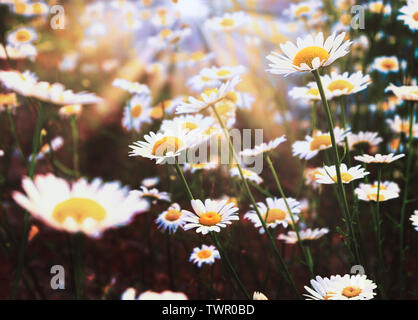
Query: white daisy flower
(352, 287)
(387, 185)
(328, 175)
(213, 96)
(196, 57)
(137, 112)
(309, 54)
(345, 84)
(310, 147)
(22, 36)
(414, 219)
(130, 294)
(22, 83)
(188, 122)
(244, 100)
(166, 145)
(153, 193)
(406, 93)
(368, 192)
(131, 87)
(228, 22)
(306, 234)
(372, 139)
(409, 14)
(310, 177)
(205, 254)
(210, 216)
(168, 37)
(303, 9)
(378, 158)
(200, 82)
(386, 64)
(274, 213)
(223, 73)
(264, 147)
(88, 207)
(322, 288)
(259, 296)
(171, 219)
(399, 125)
(150, 182)
(310, 92)
(23, 51)
(248, 174)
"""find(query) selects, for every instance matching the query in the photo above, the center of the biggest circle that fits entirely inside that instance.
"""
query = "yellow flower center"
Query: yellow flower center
(165, 145)
(165, 33)
(404, 127)
(328, 295)
(321, 141)
(302, 9)
(22, 36)
(345, 177)
(373, 196)
(204, 254)
(351, 291)
(313, 92)
(79, 209)
(172, 215)
(20, 7)
(388, 64)
(273, 215)
(156, 113)
(223, 73)
(38, 8)
(340, 85)
(189, 125)
(196, 56)
(227, 22)
(7, 99)
(225, 108)
(376, 7)
(382, 187)
(232, 96)
(205, 79)
(198, 165)
(136, 111)
(306, 55)
(415, 16)
(71, 109)
(210, 218)
(394, 144)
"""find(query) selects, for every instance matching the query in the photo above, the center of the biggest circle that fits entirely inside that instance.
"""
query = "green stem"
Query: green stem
(313, 115)
(287, 275)
(31, 172)
(337, 164)
(76, 158)
(405, 200)
(295, 228)
(14, 133)
(381, 263)
(183, 179)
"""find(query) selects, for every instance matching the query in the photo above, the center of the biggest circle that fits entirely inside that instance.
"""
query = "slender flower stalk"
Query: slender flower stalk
(287, 274)
(314, 117)
(346, 210)
(405, 199)
(378, 223)
(76, 158)
(14, 133)
(31, 171)
(224, 256)
(305, 251)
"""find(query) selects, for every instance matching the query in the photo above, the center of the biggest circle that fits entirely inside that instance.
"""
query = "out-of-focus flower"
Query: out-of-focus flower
(21, 83)
(371, 139)
(137, 112)
(399, 125)
(264, 147)
(8, 99)
(368, 192)
(303, 9)
(248, 174)
(306, 234)
(150, 182)
(223, 73)
(228, 22)
(144, 192)
(24, 51)
(345, 84)
(56, 144)
(309, 54)
(310, 92)
(210, 216)
(378, 158)
(193, 167)
(22, 36)
(205, 254)
(70, 110)
(171, 219)
(187, 123)
(379, 7)
(275, 213)
(130, 294)
(259, 296)
(414, 219)
(1, 153)
(131, 87)
(88, 207)
(406, 93)
(168, 37)
(409, 14)
(386, 64)
(328, 174)
(311, 146)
